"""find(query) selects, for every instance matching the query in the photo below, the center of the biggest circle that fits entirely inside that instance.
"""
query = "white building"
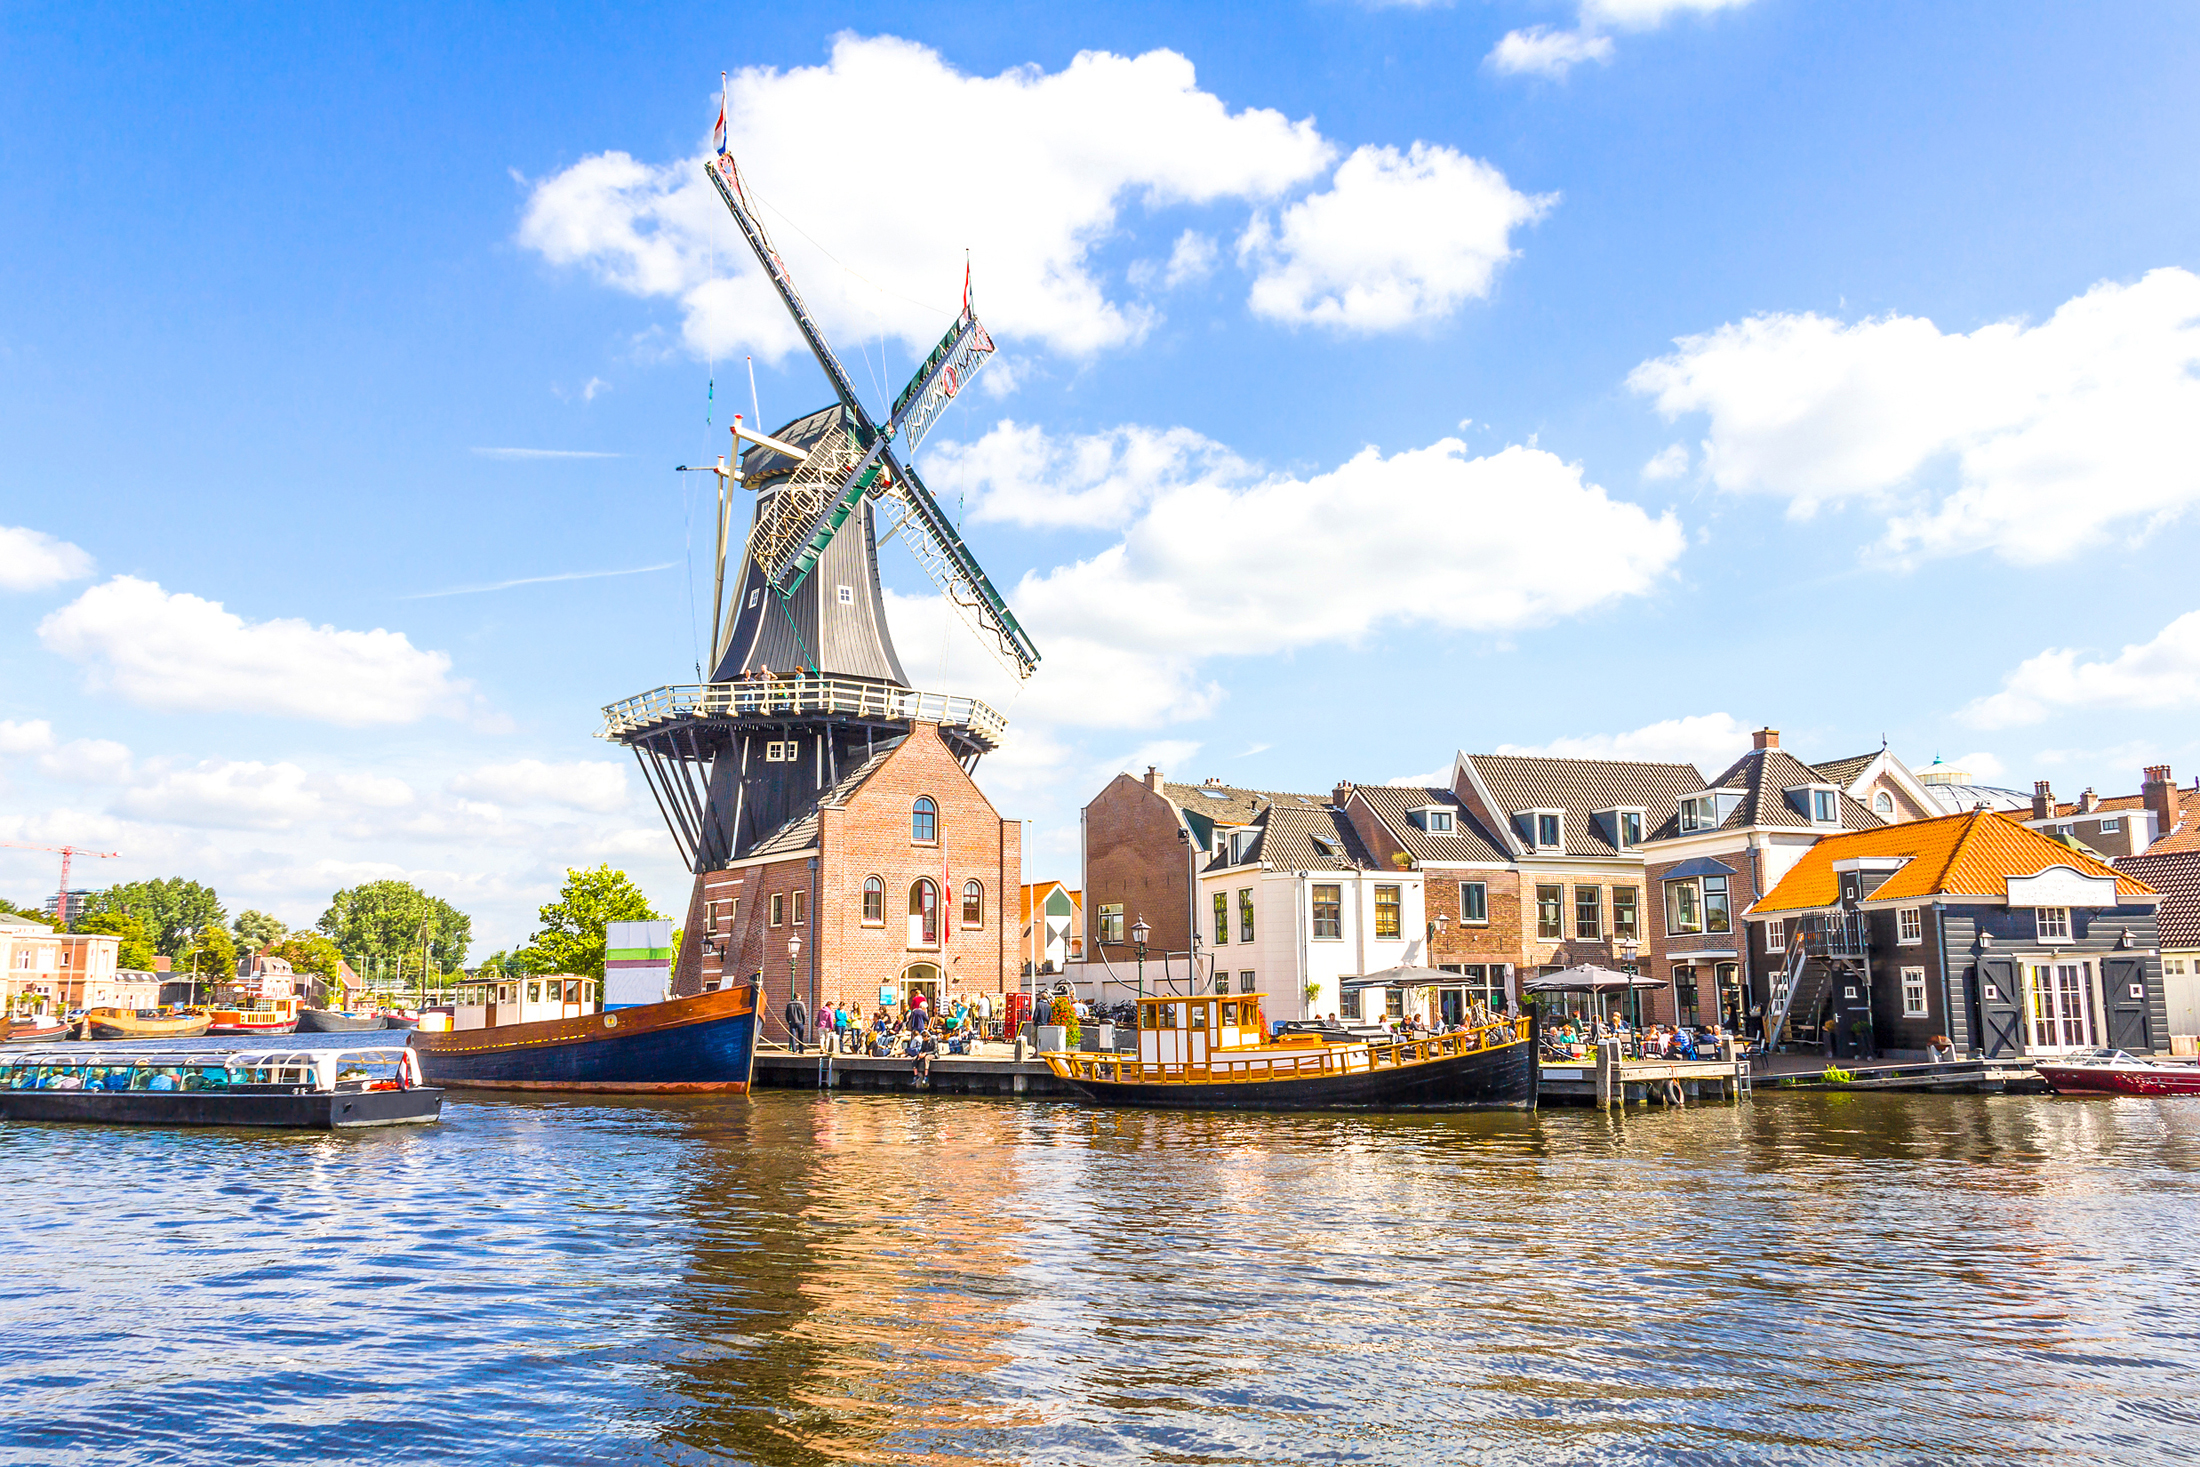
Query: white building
(47, 972)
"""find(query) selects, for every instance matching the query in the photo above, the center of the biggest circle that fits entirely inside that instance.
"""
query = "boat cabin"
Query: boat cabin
(1184, 1030)
(486, 1005)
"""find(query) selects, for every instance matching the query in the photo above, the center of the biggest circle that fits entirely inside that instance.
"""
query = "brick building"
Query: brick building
(901, 880)
(1470, 887)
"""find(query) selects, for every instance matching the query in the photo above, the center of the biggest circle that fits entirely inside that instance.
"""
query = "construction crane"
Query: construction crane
(61, 899)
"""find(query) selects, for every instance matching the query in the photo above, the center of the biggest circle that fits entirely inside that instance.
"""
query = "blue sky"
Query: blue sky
(1611, 376)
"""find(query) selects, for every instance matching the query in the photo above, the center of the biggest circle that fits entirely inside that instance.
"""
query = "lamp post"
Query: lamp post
(1139, 933)
(794, 954)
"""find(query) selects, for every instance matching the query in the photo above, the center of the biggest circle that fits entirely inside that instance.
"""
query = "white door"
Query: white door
(2060, 1006)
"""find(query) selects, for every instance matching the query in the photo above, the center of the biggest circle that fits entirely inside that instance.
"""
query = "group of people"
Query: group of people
(1573, 1037)
(113, 1077)
(916, 1032)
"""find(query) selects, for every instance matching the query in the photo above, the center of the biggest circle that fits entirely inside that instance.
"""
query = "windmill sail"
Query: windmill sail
(857, 459)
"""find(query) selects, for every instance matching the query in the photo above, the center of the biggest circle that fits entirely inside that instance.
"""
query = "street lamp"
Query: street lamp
(794, 952)
(1139, 933)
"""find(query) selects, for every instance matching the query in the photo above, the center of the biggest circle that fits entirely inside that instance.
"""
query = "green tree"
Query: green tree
(255, 929)
(174, 911)
(571, 938)
(309, 952)
(212, 958)
(385, 922)
(136, 950)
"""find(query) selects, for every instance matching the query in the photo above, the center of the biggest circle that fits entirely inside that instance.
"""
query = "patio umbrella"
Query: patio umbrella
(1405, 975)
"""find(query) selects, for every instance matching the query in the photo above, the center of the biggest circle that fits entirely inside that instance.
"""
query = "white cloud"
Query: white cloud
(2162, 673)
(1214, 564)
(1669, 462)
(32, 560)
(1981, 765)
(1398, 238)
(2057, 435)
(1193, 258)
(583, 784)
(229, 794)
(1540, 50)
(34, 736)
(1022, 475)
(1437, 778)
(1710, 741)
(173, 650)
(1039, 168)
(89, 761)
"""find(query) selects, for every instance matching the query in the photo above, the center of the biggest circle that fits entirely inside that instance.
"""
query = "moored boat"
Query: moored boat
(703, 1043)
(144, 1024)
(2117, 1072)
(336, 1021)
(33, 1028)
(137, 1084)
(267, 1017)
(1213, 1053)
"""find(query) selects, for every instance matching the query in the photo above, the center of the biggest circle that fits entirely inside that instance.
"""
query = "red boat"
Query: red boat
(31, 1027)
(2115, 1072)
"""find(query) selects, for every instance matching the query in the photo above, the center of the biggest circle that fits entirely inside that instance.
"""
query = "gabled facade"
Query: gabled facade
(1884, 785)
(1470, 889)
(1970, 926)
(1725, 846)
(1573, 831)
(898, 882)
(1053, 931)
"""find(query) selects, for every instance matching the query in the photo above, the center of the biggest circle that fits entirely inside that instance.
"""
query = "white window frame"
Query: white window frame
(1464, 919)
(1882, 803)
(2112, 827)
(1909, 926)
(1913, 994)
(1776, 936)
(847, 595)
(2051, 924)
(1699, 812)
(1535, 829)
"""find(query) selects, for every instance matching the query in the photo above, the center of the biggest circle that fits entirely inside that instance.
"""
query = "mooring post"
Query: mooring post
(1609, 1088)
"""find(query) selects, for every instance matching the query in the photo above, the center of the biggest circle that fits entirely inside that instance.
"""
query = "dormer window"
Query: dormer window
(1547, 829)
(1823, 807)
(1625, 825)
(1699, 812)
(1818, 803)
(1435, 819)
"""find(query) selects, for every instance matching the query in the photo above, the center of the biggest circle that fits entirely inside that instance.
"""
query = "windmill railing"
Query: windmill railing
(798, 697)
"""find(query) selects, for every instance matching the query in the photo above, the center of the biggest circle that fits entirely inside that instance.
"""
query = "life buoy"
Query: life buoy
(1674, 1095)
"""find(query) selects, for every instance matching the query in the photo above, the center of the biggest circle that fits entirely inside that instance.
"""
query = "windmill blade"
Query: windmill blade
(932, 539)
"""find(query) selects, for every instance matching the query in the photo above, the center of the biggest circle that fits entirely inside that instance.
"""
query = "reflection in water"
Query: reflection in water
(805, 1279)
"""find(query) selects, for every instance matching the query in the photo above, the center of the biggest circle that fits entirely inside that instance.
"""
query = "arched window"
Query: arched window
(973, 904)
(874, 902)
(1883, 803)
(924, 820)
(924, 915)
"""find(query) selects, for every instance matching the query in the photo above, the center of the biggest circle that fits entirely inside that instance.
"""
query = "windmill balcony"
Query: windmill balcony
(780, 698)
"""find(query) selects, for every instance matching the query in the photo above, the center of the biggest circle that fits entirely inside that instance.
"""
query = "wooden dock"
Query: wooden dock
(779, 1069)
(2013, 1076)
(1606, 1080)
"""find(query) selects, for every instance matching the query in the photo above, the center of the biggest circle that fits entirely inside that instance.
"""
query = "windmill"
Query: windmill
(804, 683)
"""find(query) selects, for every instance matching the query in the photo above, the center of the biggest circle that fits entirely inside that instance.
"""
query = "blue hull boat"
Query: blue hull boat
(703, 1043)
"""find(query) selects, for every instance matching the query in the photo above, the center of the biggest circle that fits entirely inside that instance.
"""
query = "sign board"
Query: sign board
(637, 963)
(887, 996)
(2062, 886)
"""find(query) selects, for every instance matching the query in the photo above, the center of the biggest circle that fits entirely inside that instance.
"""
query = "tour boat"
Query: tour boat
(336, 1021)
(144, 1024)
(2115, 1072)
(32, 1028)
(704, 1043)
(149, 1085)
(1213, 1053)
(269, 1016)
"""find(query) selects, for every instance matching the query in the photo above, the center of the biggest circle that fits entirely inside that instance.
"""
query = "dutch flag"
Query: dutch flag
(718, 133)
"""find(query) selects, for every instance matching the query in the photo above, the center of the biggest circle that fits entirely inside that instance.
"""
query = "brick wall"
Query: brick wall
(1133, 856)
(1500, 941)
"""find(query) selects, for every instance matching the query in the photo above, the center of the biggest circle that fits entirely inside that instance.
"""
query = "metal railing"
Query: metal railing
(1222, 1067)
(794, 697)
(1832, 934)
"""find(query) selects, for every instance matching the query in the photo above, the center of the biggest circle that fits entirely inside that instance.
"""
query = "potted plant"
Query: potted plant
(1061, 1031)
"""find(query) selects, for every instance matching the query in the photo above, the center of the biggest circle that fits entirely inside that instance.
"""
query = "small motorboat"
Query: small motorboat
(144, 1024)
(2119, 1072)
(336, 1021)
(33, 1028)
(153, 1085)
(278, 1017)
(399, 1019)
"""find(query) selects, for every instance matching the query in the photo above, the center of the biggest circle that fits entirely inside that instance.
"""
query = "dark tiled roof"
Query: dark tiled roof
(1467, 842)
(759, 462)
(2176, 875)
(1765, 775)
(1228, 805)
(1843, 772)
(1288, 836)
(1581, 787)
(800, 833)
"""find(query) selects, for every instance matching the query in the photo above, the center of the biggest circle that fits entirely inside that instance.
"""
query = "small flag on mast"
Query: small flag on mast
(718, 133)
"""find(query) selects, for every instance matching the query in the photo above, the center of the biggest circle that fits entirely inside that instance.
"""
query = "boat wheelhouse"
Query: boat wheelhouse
(1212, 1052)
(513, 1000)
(262, 1016)
(156, 1085)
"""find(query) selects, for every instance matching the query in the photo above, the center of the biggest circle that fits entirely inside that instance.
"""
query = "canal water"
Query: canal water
(799, 1279)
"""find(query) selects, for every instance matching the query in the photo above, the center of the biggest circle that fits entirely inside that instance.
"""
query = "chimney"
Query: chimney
(1765, 738)
(2161, 797)
(1153, 779)
(1342, 794)
(160, 963)
(2089, 801)
(2043, 800)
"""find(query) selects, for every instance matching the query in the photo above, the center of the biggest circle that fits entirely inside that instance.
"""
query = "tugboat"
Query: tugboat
(545, 1034)
(1214, 1054)
(136, 1084)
